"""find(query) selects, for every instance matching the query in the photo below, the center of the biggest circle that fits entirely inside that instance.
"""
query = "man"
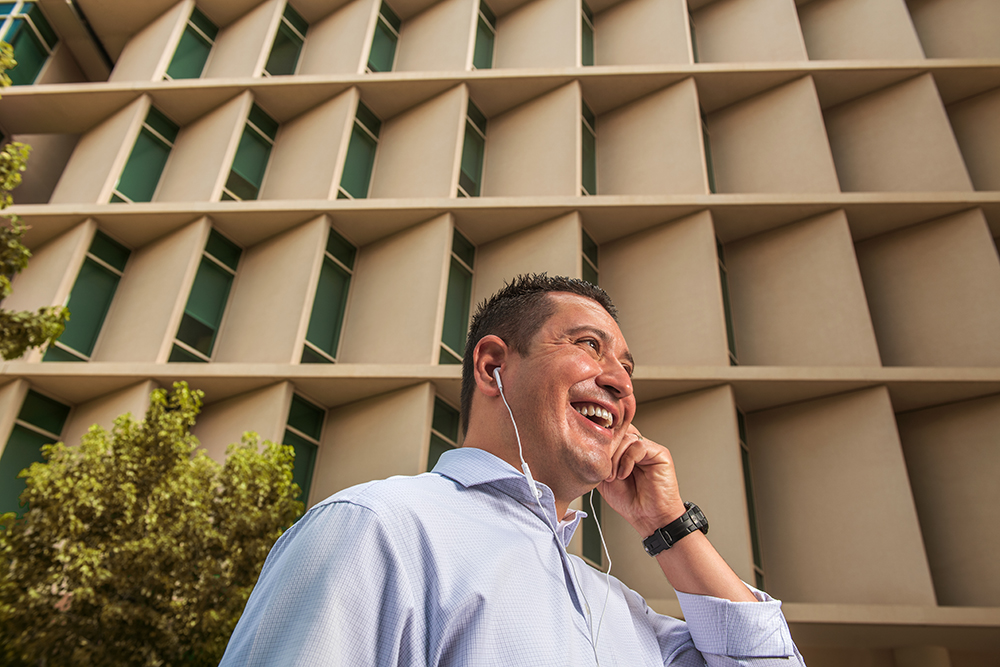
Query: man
(467, 565)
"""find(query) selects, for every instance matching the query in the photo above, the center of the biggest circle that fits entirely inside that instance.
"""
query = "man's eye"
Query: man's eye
(591, 342)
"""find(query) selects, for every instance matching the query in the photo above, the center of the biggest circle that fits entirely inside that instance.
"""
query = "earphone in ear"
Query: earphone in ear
(496, 374)
(524, 464)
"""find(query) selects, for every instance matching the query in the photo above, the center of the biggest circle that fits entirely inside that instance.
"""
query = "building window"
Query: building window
(444, 432)
(592, 547)
(207, 302)
(456, 307)
(708, 153)
(383, 53)
(40, 422)
(726, 304)
(589, 258)
(694, 40)
(25, 28)
(758, 563)
(360, 155)
(250, 162)
(287, 44)
(145, 164)
(486, 37)
(471, 174)
(193, 49)
(589, 125)
(303, 434)
(587, 36)
(330, 302)
(90, 299)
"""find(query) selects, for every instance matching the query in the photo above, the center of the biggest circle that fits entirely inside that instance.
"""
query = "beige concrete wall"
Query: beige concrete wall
(52, 270)
(957, 28)
(99, 157)
(829, 656)
(748, 30)
(820, 467)
(438, 38)
(339, 43)
(665, 282)
(553, 246)
(858, 30)
(143, 319)
(263, 411)
(241, 48)
(203, 154)
(148, 53)
(976, 123)
(103, 410)
(539, 33)
(653, 145)
(407, 275)
(897, 139)
(700, 431)
(934, 293)
(310, 150)
(953, 457)
(642, 32)
(417, 149)
(49, 155)
(534, 149)
(277, 277)
(797, 297)
(374, 439)
(773, 142)
(61, 67)
(11, 397)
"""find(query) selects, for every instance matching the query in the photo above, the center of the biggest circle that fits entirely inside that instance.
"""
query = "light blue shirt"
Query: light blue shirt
(460, 566)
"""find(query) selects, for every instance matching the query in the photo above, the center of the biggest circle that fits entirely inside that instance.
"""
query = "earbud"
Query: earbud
(496, 374)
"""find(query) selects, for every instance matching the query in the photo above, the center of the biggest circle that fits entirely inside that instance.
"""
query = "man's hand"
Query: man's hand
(642, 486)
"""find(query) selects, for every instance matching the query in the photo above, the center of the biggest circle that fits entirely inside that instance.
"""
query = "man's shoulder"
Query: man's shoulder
(393, 494)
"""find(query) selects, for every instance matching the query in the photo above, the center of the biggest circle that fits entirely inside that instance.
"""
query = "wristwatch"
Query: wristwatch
(666, 537)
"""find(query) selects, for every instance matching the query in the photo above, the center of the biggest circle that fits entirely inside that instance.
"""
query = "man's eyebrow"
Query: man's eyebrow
(605, 338)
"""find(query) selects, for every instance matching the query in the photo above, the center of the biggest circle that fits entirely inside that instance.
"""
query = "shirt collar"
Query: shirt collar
(472, 467)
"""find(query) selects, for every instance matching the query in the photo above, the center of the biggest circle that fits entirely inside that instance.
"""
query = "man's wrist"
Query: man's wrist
(663, 538)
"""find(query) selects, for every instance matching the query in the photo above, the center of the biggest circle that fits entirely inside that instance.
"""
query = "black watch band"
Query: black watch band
(666, 537)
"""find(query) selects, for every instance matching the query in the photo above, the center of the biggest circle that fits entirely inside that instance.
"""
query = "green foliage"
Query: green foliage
(138, 550)
(19, 330)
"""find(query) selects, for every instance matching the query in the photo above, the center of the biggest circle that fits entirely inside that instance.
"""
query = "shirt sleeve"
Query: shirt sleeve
(304, 612)
(740, 633)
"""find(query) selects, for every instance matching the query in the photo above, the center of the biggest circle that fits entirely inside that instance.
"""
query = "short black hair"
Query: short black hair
(515, 314)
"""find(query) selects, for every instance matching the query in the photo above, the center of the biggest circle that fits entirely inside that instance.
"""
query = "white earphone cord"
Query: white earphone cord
(537, 495)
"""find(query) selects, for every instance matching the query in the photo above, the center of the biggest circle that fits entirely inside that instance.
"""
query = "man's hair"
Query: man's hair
(515, 314)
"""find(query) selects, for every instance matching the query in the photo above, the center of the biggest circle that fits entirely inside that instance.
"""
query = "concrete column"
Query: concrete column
(858, 30)
(263, 411)
(148, 53)
(104, 410)
(748, 30)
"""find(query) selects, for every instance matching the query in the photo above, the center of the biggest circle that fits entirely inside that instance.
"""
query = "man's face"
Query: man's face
(572, 395)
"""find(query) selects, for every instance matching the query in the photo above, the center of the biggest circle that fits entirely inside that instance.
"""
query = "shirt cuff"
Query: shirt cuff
(744, 629)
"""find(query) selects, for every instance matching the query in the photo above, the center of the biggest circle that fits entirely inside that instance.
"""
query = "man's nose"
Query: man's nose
(615, 378)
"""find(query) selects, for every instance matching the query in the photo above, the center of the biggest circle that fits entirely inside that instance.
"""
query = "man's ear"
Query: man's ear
(491, 353)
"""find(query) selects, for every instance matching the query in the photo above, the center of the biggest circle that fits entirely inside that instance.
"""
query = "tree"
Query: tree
(19, 331)
(137, 549)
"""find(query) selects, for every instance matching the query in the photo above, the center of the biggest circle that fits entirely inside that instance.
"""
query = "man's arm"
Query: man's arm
(643, 489)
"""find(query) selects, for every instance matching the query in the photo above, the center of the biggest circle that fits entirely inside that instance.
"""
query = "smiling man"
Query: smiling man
(467, 564)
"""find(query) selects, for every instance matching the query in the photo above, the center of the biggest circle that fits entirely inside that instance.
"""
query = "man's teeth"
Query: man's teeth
(596, 411)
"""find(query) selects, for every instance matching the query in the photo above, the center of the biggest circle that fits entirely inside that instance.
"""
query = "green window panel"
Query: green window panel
(727, 305)
(90, 299)
(587, 37)
(473, 149)
(708, 154)
(32, 38)
(330, 302)
(39, 423)
(303, 433)
(287, 44)
(142, 172)
(486, 34)
(458, 300)
(758, 561)
(252, 155)
(592, 548)
(590, 270)
(694, 39)
(383, 51)
(588, 126)
(444, 432)
(206, 303)
(194, 47)
(360, 161)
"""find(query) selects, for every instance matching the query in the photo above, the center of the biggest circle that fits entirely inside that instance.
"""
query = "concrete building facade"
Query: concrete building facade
(795, 204)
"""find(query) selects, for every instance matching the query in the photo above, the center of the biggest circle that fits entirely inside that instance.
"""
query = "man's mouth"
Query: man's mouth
(596, 414)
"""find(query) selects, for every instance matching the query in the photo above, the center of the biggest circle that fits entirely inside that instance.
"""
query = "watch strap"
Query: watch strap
(664, 538)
